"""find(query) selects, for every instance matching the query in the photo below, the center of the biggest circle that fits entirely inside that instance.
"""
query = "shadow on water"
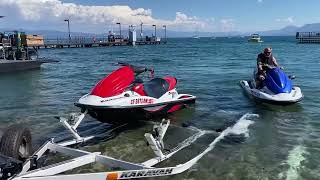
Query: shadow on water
(23, 76)
(101, 131)
(104, 132)
(26, 84)
(297, 107)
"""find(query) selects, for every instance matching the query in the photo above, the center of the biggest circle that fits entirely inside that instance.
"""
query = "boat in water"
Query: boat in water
(123, 95)
(277, 88)
(196, 37)
(16, 53)
(22, 65)
(255, 38)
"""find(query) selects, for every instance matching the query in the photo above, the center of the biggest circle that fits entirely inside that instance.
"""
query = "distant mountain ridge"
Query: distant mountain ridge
(286, 31)
(291, 30)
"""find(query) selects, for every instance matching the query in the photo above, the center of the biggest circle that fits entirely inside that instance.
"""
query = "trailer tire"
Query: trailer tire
(16, 142)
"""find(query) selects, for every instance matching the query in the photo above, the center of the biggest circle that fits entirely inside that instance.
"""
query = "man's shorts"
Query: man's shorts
(260, 77)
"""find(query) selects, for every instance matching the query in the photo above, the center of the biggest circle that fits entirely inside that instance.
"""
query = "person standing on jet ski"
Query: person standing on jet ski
(264, 59)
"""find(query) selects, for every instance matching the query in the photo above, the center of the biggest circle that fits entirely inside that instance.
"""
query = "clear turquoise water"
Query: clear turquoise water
(283, 142)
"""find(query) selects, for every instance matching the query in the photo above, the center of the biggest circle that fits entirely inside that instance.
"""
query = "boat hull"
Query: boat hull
(21, 65)
(255, 40)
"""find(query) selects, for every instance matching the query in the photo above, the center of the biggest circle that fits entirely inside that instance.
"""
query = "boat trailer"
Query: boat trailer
(30, 169)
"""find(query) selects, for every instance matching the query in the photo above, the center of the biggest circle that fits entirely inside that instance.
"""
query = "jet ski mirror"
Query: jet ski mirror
(151, 73)
(139, 70)
(292, 77)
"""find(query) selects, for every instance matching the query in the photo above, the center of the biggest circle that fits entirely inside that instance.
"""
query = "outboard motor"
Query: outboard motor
(277, 81)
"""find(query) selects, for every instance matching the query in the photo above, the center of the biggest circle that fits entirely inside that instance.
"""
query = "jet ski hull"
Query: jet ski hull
(265, 95)
(120, 114)
(123, 96)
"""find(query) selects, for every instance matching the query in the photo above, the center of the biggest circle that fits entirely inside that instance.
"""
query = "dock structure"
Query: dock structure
(92, 41)
(79, 42)
(308, 37)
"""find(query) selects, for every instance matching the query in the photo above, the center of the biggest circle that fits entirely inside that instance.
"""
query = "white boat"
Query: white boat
(196, 37)
(255, 38)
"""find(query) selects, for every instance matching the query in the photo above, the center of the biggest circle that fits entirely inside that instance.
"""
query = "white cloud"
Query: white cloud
(37, 10)
(191, 23)
(289, 20)
(53, 12)
(142, 12)
(227, 25)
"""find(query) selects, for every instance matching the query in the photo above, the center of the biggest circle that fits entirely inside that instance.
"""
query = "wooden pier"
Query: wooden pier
(85, 42)
(308, 37)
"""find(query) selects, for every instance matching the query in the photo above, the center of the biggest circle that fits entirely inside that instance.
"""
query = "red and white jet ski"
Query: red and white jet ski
(122, 95)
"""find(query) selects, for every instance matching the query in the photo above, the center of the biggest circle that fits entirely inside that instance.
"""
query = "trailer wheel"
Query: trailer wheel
(16, 142)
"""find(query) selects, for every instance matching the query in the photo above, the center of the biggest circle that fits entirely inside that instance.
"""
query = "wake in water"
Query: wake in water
(240, 127)
(295, 157)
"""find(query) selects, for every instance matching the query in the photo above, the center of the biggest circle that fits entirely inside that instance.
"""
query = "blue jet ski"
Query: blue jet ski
(277, 88)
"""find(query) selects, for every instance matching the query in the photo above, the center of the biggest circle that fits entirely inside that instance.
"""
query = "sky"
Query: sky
(98, 16)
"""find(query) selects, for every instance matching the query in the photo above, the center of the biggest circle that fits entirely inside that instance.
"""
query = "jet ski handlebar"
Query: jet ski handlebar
(138, 69)
(272, 67)
(268, 66)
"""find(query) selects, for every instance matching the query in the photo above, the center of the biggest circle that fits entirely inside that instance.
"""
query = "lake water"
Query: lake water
(282, 143)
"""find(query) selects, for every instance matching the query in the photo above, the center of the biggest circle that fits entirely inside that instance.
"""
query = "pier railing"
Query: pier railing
(308, 37)
(74, 41)
(82, 41)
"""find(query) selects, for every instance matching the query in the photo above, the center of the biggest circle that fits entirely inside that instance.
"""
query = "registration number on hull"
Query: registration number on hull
(255, 93)
(142, 101)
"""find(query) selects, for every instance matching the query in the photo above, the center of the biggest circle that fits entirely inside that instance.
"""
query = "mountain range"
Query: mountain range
(286, 31)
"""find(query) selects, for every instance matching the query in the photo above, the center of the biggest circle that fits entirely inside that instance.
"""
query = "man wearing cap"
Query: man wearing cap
(264, 59)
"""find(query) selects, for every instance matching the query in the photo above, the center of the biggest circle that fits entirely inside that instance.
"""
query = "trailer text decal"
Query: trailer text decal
(142, 101)
(147, 173)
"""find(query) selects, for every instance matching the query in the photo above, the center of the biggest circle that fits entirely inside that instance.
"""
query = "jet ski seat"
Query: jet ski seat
(156, 87)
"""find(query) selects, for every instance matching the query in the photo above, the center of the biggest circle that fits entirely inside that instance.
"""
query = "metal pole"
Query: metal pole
(165, 32)
(68, 29)
(141, 31)
(119, 28)
(155, 30)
